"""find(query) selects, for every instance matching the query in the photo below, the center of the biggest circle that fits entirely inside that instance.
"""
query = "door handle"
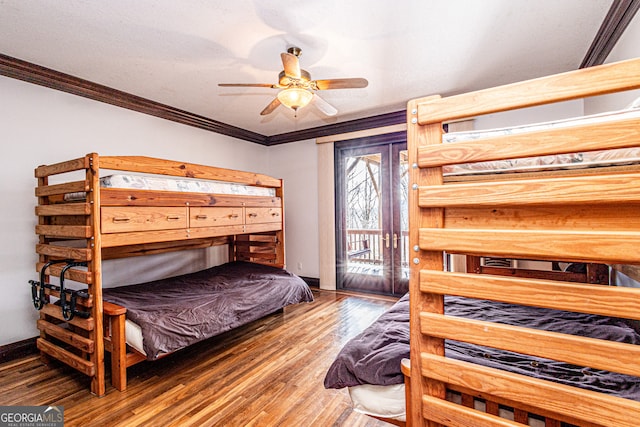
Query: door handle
(386, 240)
(395, 241)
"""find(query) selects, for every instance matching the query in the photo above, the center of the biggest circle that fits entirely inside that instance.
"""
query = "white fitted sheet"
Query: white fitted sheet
(601, 158)
(148, 182)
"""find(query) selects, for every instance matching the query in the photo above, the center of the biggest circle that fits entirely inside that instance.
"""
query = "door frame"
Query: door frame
(339, 148)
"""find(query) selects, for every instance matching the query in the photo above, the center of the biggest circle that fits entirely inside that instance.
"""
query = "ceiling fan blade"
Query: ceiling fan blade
(247, 85)
(272, 106)
(291, 65)
(324, 106)
(341, 83)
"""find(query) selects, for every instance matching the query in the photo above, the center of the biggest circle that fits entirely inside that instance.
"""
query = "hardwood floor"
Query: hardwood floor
(268, 373)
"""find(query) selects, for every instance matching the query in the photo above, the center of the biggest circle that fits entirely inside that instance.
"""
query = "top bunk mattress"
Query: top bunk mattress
(617, 157)
(146, 182)
(162, 183)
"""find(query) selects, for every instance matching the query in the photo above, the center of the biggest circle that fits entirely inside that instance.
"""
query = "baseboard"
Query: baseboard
(312, 281)
(18, 349)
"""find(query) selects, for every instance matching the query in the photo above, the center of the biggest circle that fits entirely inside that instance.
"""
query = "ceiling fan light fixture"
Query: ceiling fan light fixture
(295, 97)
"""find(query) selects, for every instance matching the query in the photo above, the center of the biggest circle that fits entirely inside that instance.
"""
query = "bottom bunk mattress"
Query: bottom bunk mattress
(373, 357)
(176, 312)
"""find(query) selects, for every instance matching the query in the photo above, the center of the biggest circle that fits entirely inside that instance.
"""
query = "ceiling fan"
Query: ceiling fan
(297, 87)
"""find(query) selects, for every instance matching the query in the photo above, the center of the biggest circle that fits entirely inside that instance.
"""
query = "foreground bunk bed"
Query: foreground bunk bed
(575, 214)
(96, 208)
(374, 365)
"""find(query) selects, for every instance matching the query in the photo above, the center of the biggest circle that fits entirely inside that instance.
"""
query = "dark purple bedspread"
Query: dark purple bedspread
(179, 311)
(373, 356)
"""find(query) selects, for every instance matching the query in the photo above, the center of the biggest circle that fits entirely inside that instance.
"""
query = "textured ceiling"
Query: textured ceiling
(176, 53)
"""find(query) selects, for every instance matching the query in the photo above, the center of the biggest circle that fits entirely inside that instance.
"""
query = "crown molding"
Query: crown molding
(36, 74)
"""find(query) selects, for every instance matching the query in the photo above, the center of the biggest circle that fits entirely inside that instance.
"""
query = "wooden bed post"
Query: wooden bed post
(280, 255)
(421, 135)
(94, 244)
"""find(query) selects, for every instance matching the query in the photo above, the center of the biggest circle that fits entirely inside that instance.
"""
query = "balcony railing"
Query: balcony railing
(366, 246)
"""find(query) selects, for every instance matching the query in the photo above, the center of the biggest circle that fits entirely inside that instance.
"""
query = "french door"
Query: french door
(372, 215)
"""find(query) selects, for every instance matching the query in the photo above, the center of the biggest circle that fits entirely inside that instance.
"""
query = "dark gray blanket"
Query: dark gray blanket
(179, 311)
(373, 356)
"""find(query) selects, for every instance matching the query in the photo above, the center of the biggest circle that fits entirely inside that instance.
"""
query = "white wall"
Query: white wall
(297, 164)
(41, 126)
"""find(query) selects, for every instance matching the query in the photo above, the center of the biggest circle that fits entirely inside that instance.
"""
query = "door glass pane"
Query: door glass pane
(404, 214)
(363, 214)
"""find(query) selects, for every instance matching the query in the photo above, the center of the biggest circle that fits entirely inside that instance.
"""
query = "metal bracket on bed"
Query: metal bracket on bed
(68, 297)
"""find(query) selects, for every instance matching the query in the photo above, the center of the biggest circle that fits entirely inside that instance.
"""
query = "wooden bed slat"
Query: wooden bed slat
(75, 231)
(454, 415)
(134, 197)
(137, 238)
(83, 303)
(74, 274)
(585, 405)
(587, 82)
(67, 187)
(550, 417)
(65, 335)
(152, 165)
(64, 209)
(590, 190)
(604, 217)
(582, 351)
(76, 362)
(56, 312)
(568, 245)
(593, 299)
(161, 247)
(62, 167)
(64, 252)
(598, 136)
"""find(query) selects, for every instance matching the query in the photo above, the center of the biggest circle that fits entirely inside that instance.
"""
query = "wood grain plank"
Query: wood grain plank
(603, 300)
(418, 136)
(579, 217)
(592, 407)
(65, 252)
(600, 136)
(593, 246)
(592, 190)
(56, 312)
(65, 335)
(78, 363)
(188, 170)
(73, 231)
(581, 351)
(74, 274)
(454, 415)
(62, 167)
(576, 84)
(64, 209)
(55, 189)
(135, 197)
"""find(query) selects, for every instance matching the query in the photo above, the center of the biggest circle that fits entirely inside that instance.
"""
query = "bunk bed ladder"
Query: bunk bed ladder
(70, 322)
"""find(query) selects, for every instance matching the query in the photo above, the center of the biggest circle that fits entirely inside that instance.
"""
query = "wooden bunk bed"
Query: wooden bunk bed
(75, 236)
(577, 215)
